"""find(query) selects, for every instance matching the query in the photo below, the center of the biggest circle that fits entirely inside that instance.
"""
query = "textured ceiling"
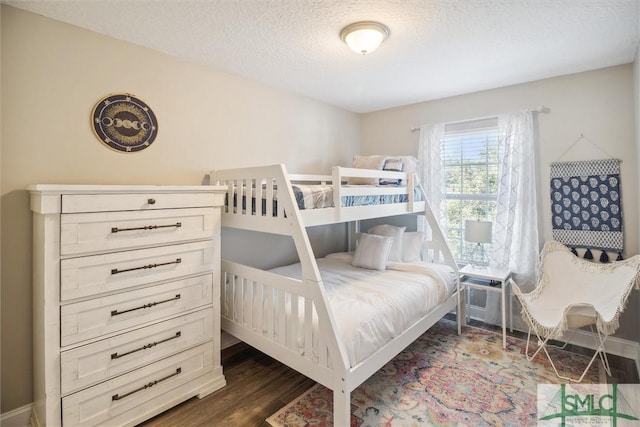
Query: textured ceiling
(437, 48)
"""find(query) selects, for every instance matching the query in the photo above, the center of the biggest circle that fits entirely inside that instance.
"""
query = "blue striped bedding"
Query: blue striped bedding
(321, 196)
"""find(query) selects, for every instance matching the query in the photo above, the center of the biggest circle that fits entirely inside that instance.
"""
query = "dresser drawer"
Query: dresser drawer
(79, 203)
(92, 275)
(95, 317)
(111, 231)
(127, 397)
(99, 361)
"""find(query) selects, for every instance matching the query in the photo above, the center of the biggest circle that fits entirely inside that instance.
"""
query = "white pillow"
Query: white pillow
(391, 231)
(366, 162)
(372, 252)
(412, 246)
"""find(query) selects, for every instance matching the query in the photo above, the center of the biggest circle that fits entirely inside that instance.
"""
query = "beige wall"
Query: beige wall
(597, 104)
(636, 85)
(636, 81)
(0, 197)
(52, 76)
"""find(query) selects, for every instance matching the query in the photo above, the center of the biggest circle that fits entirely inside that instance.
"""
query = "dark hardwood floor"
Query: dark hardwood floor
(258, 386)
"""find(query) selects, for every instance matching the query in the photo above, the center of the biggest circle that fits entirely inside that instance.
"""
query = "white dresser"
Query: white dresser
(126, 301)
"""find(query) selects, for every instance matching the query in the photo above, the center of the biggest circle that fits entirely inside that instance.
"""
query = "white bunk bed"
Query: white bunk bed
(257, 305)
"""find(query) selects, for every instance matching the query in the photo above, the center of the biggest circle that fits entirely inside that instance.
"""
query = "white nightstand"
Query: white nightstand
(488, 279)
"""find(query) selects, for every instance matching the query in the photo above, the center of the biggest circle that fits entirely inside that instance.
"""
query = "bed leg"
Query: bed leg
(341, 408)
(461, 310)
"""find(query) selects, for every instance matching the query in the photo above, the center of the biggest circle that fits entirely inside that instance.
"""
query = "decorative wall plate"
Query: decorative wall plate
(124, 123)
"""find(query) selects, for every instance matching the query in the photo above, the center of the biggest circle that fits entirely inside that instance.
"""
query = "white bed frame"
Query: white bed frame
(278, 338)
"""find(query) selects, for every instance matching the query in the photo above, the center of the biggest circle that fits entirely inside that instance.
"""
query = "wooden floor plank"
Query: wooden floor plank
(258, 386)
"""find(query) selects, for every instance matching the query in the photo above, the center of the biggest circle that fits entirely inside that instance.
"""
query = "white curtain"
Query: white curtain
(515, 231)
(431, 170)
(516, 241)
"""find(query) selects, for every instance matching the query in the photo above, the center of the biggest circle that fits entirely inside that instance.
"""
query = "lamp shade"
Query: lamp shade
(364, 37)
(478, 231)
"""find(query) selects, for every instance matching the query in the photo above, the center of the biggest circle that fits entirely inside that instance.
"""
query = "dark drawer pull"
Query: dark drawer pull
(146, 346)
(118, 396)
(151, 304)
(151, 201)
(146, 227)
(144, 267)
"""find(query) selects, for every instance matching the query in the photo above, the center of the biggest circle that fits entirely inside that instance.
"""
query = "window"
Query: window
(470, 166)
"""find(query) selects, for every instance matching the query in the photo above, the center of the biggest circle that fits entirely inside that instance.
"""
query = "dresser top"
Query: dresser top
(52, 198)
(93, 189)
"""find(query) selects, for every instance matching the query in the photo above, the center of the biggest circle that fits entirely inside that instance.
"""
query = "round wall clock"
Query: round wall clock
(124, 123)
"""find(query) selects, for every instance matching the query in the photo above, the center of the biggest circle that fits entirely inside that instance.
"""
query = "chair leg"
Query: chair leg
(568, 340)
(603, 353)
(542, 345)
(541, 342)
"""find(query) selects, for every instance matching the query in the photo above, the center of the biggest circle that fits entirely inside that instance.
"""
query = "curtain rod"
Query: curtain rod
(538, 109)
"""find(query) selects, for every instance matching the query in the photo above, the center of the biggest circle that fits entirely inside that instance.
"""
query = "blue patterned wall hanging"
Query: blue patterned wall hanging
(586, 205)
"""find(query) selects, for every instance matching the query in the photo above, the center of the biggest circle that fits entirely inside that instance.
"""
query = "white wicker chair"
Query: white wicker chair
(572, 293)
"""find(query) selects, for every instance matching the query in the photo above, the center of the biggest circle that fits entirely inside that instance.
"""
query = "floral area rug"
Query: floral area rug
(444, 379)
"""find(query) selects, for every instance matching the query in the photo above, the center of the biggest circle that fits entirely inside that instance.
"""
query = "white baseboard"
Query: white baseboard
(20, 417)
(613, 345)
(227, 340)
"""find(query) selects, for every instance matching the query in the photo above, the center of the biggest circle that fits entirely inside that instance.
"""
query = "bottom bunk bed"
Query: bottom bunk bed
(340, 318)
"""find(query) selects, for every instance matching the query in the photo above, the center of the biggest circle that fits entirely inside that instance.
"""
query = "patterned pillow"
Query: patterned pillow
(409, 164)
(394, 165)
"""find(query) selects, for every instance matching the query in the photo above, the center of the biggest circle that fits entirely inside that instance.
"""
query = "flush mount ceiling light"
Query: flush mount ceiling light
(364, 37)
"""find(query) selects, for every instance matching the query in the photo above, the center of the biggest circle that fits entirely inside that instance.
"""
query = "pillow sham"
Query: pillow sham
(393, 232)
(394, 165)
(366, 162)
(409, 165)
(372, 252)
(412, 246)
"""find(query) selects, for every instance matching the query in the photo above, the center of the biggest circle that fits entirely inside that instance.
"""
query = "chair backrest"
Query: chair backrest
(569, 280)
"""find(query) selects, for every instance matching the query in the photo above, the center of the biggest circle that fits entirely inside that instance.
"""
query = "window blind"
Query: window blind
(469, 153)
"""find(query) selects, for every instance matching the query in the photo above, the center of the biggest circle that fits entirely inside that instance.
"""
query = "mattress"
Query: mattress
(372, 307)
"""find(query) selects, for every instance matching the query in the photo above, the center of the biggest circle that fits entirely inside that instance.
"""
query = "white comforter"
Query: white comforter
(372, 307)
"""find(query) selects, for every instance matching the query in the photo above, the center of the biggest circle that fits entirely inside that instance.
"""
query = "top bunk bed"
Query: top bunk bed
(347, 194)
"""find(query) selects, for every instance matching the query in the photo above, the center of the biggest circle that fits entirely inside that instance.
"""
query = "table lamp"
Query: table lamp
(478, 232)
